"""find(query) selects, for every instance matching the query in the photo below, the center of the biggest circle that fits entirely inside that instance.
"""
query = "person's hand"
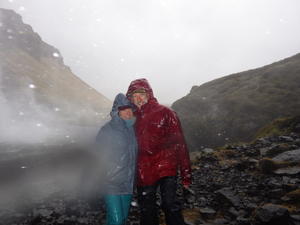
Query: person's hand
(188, 190)
(189, 194)
(186, 186)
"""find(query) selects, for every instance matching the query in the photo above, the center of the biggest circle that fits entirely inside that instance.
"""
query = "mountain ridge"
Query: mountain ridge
(234, 107)
(40, 97)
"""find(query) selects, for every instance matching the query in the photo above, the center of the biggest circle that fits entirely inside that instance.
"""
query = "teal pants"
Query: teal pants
(117, 209)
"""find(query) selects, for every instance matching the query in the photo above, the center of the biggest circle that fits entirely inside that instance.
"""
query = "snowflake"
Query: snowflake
(55, 54)
(134, 204)
(22, 8)
(267, 32)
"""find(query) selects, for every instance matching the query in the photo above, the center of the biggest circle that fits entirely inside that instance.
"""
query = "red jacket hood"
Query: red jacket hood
(141, 83)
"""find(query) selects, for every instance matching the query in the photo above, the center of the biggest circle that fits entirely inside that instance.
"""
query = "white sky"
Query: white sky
(175, 44)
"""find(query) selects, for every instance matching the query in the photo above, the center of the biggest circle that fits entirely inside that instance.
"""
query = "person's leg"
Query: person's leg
(126, 200)
(147, 204)
(170, 203)
(114, 211)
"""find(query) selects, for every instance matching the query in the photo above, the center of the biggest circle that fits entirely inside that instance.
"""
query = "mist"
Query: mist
(175, 44)
(43, 152)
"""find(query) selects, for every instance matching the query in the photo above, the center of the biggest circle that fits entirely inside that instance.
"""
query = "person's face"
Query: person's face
(126, 114)
(139, 99)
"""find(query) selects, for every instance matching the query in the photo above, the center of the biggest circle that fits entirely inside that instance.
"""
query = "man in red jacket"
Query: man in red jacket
(162, 154)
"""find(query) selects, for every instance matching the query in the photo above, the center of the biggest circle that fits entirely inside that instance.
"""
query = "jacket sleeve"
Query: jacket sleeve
(105, 147)
(174, 138)
(101, 140)
(183, 157)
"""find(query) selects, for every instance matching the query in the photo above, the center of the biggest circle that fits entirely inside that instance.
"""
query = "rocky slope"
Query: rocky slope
(235, 107)
(36, 85)
(250, 184)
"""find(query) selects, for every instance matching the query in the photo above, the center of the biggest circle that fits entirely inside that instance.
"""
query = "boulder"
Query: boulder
(271, 214)
(290, 156)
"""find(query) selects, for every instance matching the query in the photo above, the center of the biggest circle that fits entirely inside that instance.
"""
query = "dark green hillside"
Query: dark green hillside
(280, 126)
(235, 107)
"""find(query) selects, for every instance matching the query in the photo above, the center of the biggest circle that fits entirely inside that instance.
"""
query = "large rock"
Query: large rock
(271, 214)
(289, 156)
(230, 196)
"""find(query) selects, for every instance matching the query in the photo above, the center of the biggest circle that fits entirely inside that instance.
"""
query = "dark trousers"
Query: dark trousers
(170, 204)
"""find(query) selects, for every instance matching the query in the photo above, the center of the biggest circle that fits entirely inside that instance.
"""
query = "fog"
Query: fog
(34, 123)
(41, 155)
(175, 44)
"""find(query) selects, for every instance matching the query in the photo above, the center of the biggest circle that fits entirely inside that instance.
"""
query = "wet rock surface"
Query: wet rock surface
(237, 185)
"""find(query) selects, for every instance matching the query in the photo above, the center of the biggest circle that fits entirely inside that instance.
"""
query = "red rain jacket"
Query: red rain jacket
(162, 148)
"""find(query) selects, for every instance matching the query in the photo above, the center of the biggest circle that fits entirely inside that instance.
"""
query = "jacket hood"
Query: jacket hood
(137, 84)
(120, 100)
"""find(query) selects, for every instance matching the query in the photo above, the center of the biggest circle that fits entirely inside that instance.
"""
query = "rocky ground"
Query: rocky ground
(254, 183)
(246, 184)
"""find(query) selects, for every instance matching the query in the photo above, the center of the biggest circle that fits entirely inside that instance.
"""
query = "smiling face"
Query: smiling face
(126, 114)
(139, 99)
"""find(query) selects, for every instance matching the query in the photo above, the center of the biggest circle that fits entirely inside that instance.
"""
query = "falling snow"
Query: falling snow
(22, 8)
(134, 204)
(281, 20)
(267, 32)
(32, 86)
(55, 54)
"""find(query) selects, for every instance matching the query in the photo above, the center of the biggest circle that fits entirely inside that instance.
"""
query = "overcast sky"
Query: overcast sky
(175, 44)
